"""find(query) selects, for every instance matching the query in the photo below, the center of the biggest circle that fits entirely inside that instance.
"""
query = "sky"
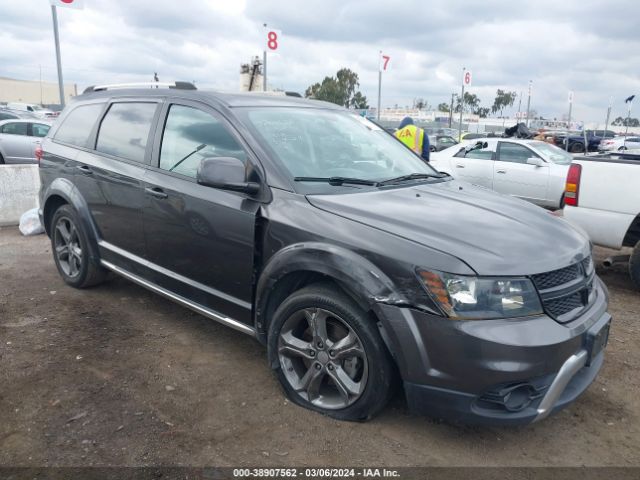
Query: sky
(589, 47)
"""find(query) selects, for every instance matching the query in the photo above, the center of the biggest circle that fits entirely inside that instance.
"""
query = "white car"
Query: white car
(34, 109)
(619, 143)
(529, 169)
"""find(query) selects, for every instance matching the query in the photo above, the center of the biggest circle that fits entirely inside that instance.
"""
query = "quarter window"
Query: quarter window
(77, 126)
(39, 129)
(514, 153)
(191, 135)
(16, 128)
(125, 129)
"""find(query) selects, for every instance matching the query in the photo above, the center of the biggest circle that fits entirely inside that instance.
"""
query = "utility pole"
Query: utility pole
(379, 85)
(264, 64)
(626, 130)
(606, 123)
(54, 14)
(40, 67)
(566, 138)
(451, 110)
(529, 102)
(519, 105)
(461, 106)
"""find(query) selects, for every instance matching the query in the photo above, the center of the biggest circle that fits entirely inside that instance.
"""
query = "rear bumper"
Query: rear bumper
(512, 371)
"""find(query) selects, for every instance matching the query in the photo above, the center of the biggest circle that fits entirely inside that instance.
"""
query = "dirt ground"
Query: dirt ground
(116, 375)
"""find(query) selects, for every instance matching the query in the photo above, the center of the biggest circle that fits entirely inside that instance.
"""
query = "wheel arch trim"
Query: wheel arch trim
(354, 273)
(65, 189)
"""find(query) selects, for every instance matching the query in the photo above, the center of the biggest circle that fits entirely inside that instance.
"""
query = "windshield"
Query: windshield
(552, 153)
(315, 143)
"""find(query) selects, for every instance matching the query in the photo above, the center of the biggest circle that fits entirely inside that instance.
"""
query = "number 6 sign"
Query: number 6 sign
(273, 39)
(467, 78)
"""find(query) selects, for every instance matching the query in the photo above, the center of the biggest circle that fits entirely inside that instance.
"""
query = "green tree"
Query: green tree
(420, 103)
(340, 90)
(482, 112)
(503, 100)
(471, 102)
(443, 107)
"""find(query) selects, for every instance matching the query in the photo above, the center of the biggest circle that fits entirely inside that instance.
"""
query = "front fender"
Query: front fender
(361, 277)
(65, 189)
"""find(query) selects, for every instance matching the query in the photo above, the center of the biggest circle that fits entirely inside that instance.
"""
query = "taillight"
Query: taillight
(572, 188)
(38, 153)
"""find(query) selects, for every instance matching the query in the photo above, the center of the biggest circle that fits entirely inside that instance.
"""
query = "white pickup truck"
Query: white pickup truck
(602, 197)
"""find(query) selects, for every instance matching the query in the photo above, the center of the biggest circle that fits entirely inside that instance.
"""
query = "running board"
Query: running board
(229, 322)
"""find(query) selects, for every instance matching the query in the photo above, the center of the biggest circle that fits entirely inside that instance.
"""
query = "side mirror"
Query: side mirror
(538, 162)
(225, 173)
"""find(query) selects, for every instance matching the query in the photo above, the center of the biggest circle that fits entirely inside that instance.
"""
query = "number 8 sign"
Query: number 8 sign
(273, 39)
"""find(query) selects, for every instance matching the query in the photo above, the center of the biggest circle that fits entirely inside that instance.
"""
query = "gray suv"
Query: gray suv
(313, 230)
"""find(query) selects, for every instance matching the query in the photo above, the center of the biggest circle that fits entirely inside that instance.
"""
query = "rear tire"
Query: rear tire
(1, 159)
(634, 265)
(622, 149)
(329, 356)
(70, 247)
(577, 148)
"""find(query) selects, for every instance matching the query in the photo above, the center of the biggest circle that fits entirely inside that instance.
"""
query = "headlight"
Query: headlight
(475, 298)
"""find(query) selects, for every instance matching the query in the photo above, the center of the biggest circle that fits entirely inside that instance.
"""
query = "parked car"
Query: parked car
(604, 200)
(619, 143)
(19, 139)
(577, 141)
(8, 114)
(440, 142)
(36, 110)
(309, 228)
(529, 169)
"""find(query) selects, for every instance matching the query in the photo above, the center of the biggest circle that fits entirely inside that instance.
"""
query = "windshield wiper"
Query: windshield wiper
(411, 176)
(337, 180)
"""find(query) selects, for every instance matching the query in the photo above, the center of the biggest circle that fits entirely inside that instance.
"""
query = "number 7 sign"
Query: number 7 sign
(384, 61)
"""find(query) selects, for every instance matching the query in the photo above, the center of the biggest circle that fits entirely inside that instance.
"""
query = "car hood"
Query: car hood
(494, 234)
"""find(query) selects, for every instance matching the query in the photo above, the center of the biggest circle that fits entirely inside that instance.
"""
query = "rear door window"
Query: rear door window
(15, 128)
(77, 126)
(125, 130)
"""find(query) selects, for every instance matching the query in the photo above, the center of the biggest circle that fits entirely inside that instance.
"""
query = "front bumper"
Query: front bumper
(512, 371)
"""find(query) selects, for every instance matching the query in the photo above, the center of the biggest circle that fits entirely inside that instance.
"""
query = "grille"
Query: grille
(575, 294)
(556, 277)
(563, 305)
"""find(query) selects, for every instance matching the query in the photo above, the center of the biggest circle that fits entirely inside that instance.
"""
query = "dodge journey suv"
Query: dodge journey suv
(316, 232)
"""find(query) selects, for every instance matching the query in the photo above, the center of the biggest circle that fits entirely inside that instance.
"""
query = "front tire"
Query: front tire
(577, 148)
(634, 265)
(70, 247)
(328, 354)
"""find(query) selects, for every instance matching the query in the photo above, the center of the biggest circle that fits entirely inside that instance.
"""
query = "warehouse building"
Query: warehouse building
(34, 91)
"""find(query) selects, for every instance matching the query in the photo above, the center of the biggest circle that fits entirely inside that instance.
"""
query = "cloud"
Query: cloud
(590, 47)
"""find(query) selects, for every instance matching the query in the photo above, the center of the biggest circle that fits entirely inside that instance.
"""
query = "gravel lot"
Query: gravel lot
(116, 375)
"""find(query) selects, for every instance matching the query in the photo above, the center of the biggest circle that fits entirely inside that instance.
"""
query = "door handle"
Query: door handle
(155, 192)
(501, 171)
(84, 169)
(459, 165)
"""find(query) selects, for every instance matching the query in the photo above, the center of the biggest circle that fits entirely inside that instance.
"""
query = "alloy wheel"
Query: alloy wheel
(67, 247)
(322, 358)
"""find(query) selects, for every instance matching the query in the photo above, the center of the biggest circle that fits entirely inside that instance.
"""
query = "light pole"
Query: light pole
(461, 106)
(54, 14)
(529, 102)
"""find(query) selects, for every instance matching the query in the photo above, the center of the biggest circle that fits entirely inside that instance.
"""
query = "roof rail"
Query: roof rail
(176, 85)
